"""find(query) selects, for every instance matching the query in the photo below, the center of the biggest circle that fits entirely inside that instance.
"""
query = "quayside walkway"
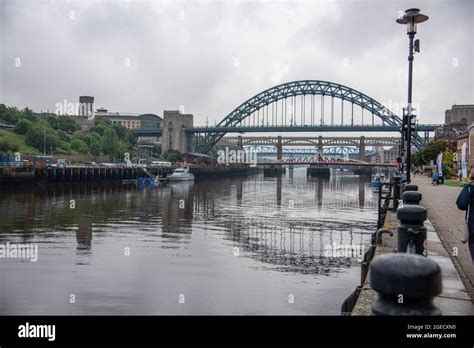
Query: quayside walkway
(448, 220)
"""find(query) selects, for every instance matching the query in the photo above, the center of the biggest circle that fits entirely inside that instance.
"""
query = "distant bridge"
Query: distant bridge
(338, 151)
(322, 161)
(318, 141)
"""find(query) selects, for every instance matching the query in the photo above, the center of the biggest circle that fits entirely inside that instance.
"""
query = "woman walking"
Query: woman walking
(465, 202)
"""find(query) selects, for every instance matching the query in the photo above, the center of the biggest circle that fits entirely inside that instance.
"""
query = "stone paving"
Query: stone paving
(448, 221)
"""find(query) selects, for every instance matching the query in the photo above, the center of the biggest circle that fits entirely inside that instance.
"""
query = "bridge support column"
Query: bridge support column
(320, 145)
(362, 148)
(240, 145)
(279, 149)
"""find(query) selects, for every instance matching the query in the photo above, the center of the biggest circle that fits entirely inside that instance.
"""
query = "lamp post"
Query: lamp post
(411, 18)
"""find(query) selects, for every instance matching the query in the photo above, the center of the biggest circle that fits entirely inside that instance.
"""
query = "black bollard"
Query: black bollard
(406, 285)
(396, 191)
(411, 227)
(410, 187)
(411, 197)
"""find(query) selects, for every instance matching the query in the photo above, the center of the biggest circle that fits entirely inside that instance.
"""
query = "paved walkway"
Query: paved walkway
(448, 221)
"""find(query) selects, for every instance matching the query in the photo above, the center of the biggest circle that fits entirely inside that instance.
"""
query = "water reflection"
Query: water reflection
(185, 235)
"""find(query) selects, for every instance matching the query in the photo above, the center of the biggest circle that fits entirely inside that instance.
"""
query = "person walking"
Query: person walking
(434, 178)
(465, 202)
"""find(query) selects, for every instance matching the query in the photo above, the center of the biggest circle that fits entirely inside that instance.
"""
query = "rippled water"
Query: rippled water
(252, 245)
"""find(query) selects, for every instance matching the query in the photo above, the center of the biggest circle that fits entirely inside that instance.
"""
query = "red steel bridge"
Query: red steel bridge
(324, 161)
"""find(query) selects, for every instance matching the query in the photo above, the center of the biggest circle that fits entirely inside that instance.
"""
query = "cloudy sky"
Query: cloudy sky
(147, 56)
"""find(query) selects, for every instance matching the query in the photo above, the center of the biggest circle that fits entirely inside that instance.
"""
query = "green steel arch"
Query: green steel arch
(296, 88)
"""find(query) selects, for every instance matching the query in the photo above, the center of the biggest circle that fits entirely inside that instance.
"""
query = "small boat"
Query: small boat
(181, 174)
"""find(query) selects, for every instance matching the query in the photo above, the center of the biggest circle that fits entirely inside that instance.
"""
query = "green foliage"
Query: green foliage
(42, 138)
(11, 115)
(63, 136)
(3, 109)
(92, 138)
(448, 171)
(171, 155)
(28, 115)
(64, 147)
(110, 144)
(22, 126)
(68, 124)
(95, 149)
(79, 146)
(7, 146)
(53, 121)
(156, 151)
(430, 151)
(100, 129)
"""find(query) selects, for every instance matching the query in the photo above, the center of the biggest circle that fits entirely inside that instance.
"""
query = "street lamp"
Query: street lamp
(411, 18)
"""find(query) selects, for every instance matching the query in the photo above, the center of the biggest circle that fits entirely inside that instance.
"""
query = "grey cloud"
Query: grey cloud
(183, 53)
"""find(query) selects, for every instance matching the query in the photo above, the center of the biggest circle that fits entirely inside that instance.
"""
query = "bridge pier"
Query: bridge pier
(279, 149)
(320, 145)
(362, 148)
(319, 171)
(240, 145)
(363, 171)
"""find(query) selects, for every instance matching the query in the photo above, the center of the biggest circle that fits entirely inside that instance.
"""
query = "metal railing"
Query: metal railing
(384, 196)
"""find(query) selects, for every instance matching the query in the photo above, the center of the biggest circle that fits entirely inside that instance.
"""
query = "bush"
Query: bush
(42, 138)
(63, 136)
(68, 124)
(79, 146)
(22, 126)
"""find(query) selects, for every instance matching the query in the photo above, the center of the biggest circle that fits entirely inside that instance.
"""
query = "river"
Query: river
(243, 245)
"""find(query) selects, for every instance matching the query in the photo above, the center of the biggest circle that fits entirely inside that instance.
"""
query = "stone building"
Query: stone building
(457, 120)
(149, 121)
(385, 155)
(468, 138)
(174, 136)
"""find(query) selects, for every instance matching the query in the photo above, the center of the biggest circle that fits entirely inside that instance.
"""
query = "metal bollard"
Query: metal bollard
(411, 228)
(396, 191)
(412, 197)
(410, 187)
(406, 285)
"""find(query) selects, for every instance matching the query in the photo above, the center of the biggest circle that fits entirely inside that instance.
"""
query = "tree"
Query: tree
(53, 121)
(28, 114)
(22, 126)
(100, 129)
(110, 143)
(430, 151)
(94, 149)
(42, 138)
(63, 136)
(68, 124)
(79, 146)
(171, 155)
(3, 109)
(12, 115)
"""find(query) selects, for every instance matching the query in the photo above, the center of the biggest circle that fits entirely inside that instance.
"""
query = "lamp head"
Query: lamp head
(411, 18)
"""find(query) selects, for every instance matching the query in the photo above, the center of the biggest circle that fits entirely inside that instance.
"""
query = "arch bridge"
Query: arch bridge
(306, 106)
